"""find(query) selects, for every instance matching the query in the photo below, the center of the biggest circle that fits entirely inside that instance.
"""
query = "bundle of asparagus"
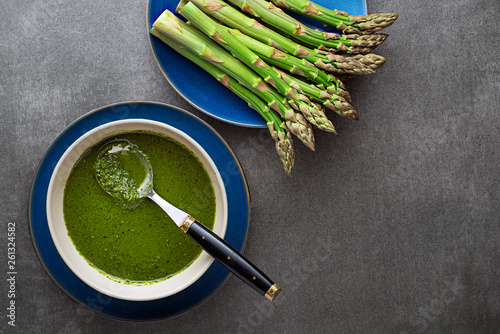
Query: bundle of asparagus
(288, 72)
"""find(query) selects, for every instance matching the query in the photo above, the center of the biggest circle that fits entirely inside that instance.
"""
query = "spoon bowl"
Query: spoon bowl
(117, 181)
(115, 178)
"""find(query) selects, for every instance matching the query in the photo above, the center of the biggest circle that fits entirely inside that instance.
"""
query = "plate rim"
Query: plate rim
(31, 219)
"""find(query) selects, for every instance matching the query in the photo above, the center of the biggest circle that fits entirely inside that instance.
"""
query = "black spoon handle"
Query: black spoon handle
(230, 258)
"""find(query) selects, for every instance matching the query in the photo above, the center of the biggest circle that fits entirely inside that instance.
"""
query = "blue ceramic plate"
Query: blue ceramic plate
(238, 213)
(199, 88)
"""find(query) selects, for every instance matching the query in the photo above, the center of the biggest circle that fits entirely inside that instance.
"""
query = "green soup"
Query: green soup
(142, 244)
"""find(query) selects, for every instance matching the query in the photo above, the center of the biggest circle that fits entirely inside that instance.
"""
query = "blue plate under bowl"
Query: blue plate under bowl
(238, 199)
(199, 88)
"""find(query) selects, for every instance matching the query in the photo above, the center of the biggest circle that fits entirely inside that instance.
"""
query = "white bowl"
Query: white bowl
(73, 258)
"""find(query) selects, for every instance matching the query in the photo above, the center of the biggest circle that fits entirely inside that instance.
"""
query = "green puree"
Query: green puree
(120, 173)
(142, 244)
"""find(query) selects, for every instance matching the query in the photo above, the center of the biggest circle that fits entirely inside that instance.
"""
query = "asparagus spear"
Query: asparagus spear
(277, 128)
(170, 26)
(362, 24)
(333, 102)
(275, 18)
(232, 17)
(324, 81)
(222, 35)
(372, 60)
(295, 65)
(335, 86)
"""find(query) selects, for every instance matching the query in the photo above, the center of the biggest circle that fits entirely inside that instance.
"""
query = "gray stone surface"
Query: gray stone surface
(405, 202)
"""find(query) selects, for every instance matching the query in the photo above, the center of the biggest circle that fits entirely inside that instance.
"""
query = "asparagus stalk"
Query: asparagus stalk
(335, 86)
(232, 17)
(294, 65)
(277, 128)
(333, 102)
(222, 35)
(372, 60)
(324, 81)
(291, 63)
(224, 13)
(280, 21)
(170, 26)
(342, 21)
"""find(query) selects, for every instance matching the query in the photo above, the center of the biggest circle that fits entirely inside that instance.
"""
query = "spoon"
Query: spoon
(116, 181)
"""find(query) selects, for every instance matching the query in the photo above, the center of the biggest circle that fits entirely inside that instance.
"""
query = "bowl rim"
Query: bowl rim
(102, 282)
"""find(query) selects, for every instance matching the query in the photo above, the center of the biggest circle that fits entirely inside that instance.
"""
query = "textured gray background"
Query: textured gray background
(405, 201)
